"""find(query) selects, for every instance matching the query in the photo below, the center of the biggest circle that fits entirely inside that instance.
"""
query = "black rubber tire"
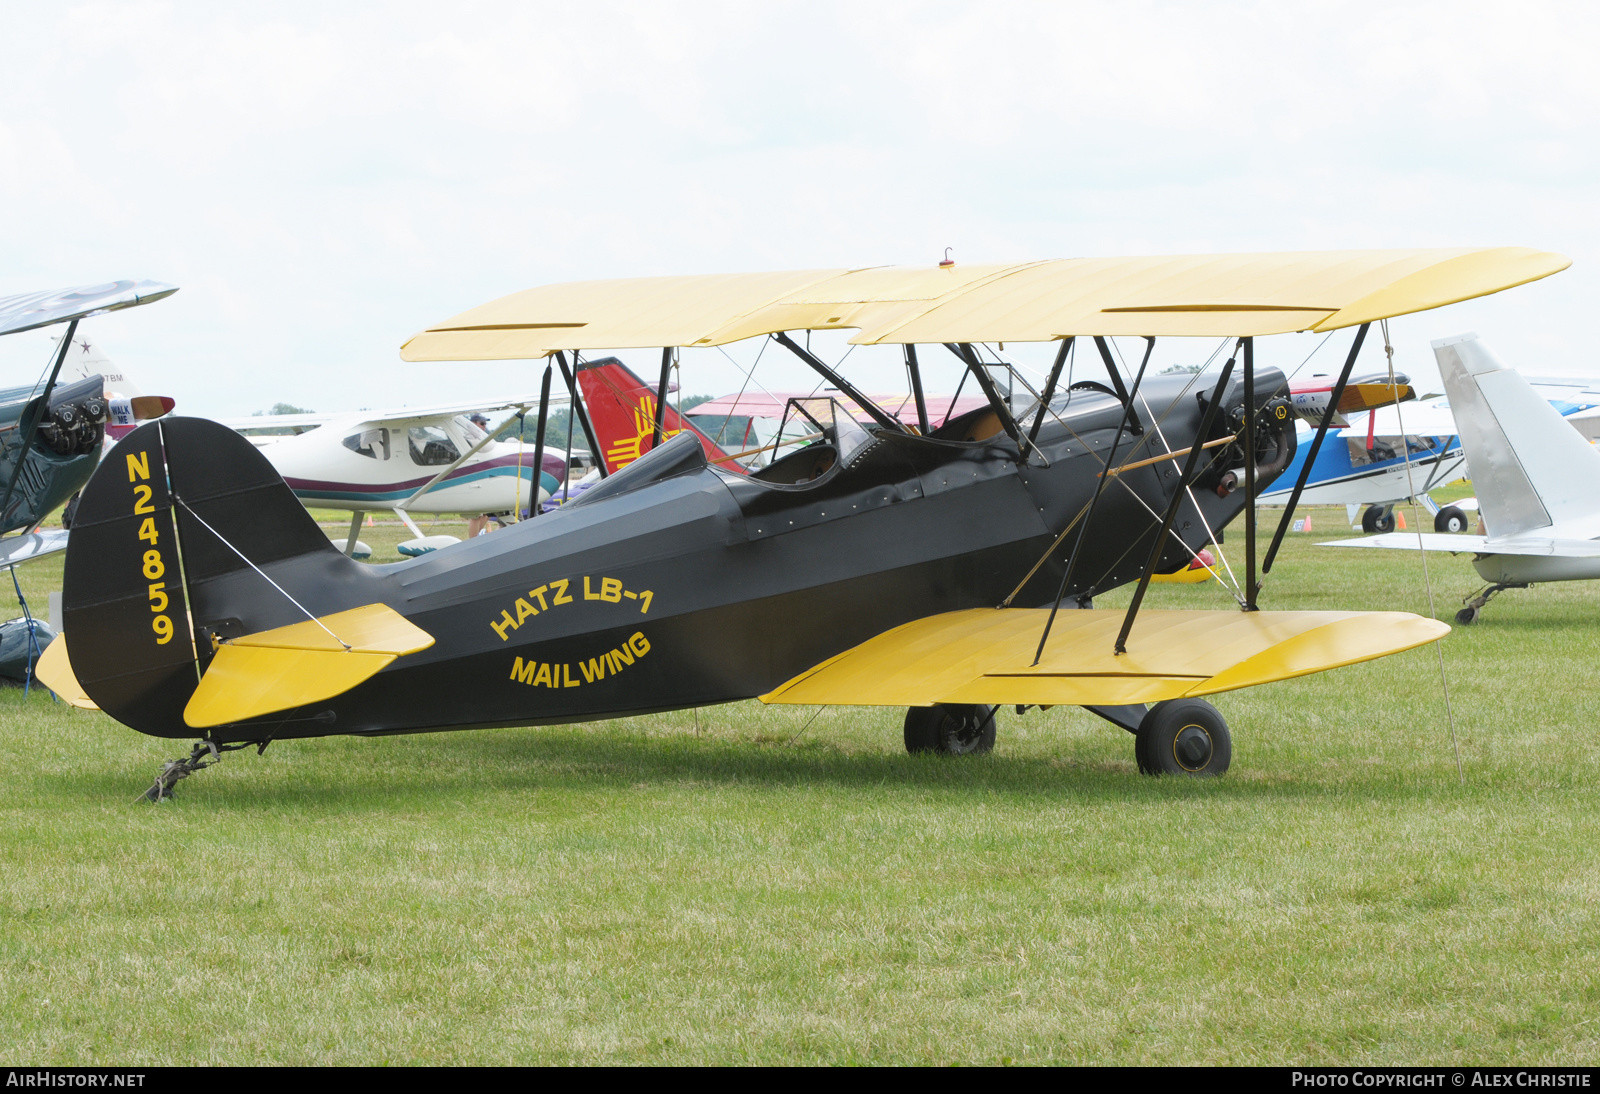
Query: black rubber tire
(1377, 519)
(956, 729)
(1450, 519)
(1467, 616)
(1183, 737)
(70, 513)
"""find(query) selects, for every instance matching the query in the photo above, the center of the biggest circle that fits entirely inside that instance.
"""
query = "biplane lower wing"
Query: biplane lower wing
(985, 655)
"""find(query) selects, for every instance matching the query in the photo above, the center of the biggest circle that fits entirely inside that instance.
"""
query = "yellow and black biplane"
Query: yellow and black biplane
(948, 570)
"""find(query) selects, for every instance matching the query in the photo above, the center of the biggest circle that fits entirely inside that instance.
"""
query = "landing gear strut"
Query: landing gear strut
(956, 729)
(1183, 737)
(1475, 604)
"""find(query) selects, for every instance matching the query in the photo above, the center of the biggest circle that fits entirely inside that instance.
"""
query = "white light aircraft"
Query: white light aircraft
(1538, 480)
(411, 460)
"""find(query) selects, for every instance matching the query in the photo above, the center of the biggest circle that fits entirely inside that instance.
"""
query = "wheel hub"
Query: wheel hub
(961, 732)
(1192, 748)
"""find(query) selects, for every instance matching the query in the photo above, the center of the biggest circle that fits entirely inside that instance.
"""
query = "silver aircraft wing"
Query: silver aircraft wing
(1481, 545)
(40, 309)
(34, 545)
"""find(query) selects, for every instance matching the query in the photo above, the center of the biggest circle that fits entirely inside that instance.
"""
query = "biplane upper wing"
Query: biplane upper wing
(1175, 295)
(28, 311)
(985, 655)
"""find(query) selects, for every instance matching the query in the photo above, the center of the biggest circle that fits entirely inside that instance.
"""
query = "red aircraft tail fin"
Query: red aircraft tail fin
(622, 408)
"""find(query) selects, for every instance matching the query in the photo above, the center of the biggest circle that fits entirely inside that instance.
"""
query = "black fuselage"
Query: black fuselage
(672, 584)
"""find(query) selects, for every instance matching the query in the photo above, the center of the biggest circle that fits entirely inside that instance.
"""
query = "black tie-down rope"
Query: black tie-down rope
(1185, 481)
(1427, 584)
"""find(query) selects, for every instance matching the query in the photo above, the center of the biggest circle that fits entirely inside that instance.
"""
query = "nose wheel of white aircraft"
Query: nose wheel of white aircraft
(955, 729)
(1183, 737)
(1450, 519)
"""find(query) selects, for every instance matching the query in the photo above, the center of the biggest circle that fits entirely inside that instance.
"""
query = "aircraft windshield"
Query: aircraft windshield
(825, 416)
(431, 446)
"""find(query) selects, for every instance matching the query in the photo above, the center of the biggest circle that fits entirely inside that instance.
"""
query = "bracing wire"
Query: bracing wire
(1237, 590)
(1194, 378)
(260, 571)
(1188, 489)
(1416, 520)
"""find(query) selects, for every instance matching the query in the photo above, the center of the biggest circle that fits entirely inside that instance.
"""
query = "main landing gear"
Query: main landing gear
(1475, 604)
(1178, 737)
(1378, 519)
(1183, 737)
(1450, 519)
(956, 729)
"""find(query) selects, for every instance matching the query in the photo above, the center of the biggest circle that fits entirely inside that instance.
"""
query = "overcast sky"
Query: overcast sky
(323, 180)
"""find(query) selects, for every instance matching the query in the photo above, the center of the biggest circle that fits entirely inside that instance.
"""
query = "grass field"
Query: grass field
(780, 885)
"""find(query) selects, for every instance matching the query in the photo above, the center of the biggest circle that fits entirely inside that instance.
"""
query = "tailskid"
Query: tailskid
(202, 756)
(1475, 602)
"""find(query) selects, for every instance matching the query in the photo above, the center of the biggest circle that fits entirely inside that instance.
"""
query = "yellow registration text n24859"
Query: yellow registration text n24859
(154, 567)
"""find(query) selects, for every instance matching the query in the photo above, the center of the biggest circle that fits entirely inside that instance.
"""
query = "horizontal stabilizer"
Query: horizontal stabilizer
(291, 666)
(985, 655)
(54, 671)
(1483, 545)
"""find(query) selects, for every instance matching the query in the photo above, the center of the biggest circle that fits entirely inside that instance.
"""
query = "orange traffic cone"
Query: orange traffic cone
(1308, 522)
(1400, 520)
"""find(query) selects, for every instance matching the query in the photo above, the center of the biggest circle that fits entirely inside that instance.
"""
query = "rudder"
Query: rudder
(1529, 466)
(623, 408)
(149, 577)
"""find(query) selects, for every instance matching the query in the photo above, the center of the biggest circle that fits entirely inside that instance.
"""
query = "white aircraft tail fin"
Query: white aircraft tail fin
(85, 359)
(1530, 468)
